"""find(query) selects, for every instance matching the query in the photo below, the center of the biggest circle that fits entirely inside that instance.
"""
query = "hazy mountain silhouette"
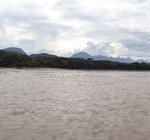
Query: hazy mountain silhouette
(101, 57)
(142, 61)
(83, 55)
(15, 50)
(43, 55)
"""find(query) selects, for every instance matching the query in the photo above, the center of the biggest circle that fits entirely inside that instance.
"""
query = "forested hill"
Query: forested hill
(9, 59)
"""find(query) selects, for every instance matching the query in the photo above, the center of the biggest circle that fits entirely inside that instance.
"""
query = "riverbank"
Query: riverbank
(11, 60)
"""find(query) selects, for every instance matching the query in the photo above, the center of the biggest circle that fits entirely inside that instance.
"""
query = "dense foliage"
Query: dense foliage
(17, 60)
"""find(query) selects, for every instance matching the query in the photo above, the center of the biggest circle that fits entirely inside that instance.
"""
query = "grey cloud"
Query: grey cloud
(29, 18)
(72, 10)
(130, 48)
(139, 45)
(139, 42)
(105, 48)
(48, 31)
(139, 1)
(94, 49)
(35, 23)
(22, 14)
(103, 25)
(141, 35)
(27, 44)
(78, 14)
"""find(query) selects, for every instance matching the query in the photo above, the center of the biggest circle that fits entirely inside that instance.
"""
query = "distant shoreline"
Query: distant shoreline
(13, 60)
(32, 68)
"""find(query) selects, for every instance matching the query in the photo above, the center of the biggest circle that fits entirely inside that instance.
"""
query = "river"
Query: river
(57, 104)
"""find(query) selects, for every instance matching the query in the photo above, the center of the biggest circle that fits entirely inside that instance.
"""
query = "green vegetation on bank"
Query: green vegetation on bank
(8, 59)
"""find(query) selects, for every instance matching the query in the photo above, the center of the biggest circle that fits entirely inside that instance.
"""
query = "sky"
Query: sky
(118, 28)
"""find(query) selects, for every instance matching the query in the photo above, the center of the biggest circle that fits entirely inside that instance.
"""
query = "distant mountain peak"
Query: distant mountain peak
(15, 50)
(81, 55)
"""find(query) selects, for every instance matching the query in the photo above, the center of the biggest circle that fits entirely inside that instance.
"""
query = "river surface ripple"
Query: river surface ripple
(55, 104)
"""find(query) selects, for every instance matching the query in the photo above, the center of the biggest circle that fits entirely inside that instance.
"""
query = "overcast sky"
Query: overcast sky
(99, 27)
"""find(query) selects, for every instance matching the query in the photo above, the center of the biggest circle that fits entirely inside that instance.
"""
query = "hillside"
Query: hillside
(15, 50)
(9, 59)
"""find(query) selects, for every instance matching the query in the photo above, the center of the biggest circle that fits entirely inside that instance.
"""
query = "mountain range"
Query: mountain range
(101, 57)
(83, 55)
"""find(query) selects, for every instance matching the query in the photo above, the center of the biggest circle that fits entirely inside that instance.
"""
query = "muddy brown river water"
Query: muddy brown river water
(55, 104)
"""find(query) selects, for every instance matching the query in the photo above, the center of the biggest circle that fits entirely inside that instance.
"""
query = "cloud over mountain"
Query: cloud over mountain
(112, 27)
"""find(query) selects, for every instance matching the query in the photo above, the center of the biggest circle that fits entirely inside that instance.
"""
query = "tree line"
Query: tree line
(8, 59)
